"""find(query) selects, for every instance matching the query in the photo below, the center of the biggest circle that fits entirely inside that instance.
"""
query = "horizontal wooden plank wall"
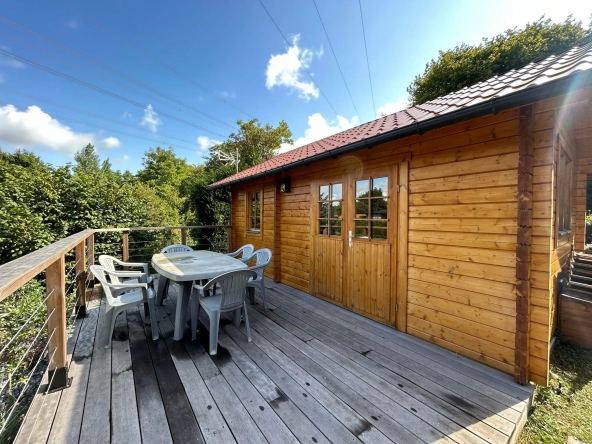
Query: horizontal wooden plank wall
(462, 241)
(462, 232)
(549, 255)
(583, 130)
(576, 320)
(240, 235)
(542, 239)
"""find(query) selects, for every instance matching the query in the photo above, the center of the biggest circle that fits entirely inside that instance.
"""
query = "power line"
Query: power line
(298, 57)
(335, 56)
(161, 142)
(99, 89)
(155, 59)
(367, 61)
(115, 81)
(110, 69)
(79, 111)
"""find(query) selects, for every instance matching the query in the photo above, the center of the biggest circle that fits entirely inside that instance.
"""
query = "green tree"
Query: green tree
(32, 213)
(164, 172)
(466, 65)
(254, 143)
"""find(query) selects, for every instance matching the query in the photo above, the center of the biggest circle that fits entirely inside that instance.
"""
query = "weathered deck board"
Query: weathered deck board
(313, 370)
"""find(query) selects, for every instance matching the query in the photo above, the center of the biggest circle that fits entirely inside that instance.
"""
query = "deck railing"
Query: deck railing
(62, 268)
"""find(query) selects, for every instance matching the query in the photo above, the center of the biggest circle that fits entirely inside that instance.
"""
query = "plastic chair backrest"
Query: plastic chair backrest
(108, 263)
(100, 273)
(247, 250)
(233, 286)
(176, 248)
(263, 259)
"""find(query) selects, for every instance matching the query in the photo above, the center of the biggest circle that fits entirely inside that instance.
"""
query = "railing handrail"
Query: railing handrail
(51, 259)
(180, 227)
(16, 273)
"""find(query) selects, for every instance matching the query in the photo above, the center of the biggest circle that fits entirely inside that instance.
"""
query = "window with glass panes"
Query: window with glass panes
(255, 211)
(564, 186)
(371, 214)
(330, 207)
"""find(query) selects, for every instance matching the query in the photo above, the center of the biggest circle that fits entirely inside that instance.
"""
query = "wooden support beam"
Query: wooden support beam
(277, 233)
(90, 249)
(184, 236)
(125, 246)
(402, 245)
(524, 241)
(81, 279)
(228, 239)
(55, 282)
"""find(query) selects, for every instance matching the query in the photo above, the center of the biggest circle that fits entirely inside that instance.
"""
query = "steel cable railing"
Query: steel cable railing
(40, 331)
(16, 404)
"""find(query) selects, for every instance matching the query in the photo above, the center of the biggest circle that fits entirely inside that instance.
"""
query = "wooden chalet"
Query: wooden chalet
(451, 221)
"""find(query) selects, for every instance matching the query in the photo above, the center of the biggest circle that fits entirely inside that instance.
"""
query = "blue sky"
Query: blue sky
(218, 62)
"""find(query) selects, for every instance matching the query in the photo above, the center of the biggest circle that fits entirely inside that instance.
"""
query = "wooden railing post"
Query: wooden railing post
(184, 236)
(55, 282)
(81, 279)
(125, 245)
(229, 239)
(90, 245)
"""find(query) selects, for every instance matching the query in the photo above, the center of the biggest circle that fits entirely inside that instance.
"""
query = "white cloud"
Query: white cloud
(319, 128)
(205, 142)
(226, 95)
(9, 61)
(127, 115)
(73, 24)
(286, 70)
(150, 119)
(111, 142)
(390, 107)
(35, 128)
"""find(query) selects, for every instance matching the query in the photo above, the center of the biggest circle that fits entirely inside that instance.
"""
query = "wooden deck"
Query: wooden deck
(313, 373)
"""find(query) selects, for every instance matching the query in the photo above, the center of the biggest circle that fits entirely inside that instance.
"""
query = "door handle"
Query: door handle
(350, 237)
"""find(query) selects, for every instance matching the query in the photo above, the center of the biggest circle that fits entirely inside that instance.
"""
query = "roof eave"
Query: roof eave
(495, 105)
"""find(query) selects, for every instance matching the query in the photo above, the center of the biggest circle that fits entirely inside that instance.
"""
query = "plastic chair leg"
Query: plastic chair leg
(153, 321)
(214, 325)
(237, 317)
(111, 322)
(194, 312)
(248, 327)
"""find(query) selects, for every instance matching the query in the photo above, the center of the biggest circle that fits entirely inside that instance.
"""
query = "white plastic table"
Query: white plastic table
(184, 268)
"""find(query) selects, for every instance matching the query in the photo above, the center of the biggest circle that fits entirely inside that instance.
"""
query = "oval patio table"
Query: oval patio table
(184, 268)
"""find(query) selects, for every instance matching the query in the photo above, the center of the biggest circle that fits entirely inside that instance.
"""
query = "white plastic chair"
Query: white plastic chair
(118, 304)
(232, 294)
(176, 248)
(246, 250)
(263, 260)
(109, 263)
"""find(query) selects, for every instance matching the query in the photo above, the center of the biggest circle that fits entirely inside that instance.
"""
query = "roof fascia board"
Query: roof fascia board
(554, 88)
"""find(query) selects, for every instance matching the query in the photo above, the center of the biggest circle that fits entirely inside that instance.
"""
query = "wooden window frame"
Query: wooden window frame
(564, 192)
(389, 197)
(317, 215)
(249, 230)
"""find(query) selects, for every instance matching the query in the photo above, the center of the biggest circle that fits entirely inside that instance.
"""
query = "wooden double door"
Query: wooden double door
(354, 235)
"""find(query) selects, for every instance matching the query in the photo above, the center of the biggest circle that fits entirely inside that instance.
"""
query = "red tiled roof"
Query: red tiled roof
(533, 74)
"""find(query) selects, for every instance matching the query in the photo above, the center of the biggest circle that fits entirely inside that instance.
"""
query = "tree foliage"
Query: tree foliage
(466, 65)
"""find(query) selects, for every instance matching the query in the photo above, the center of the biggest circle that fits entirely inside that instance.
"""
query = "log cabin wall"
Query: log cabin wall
(239, 215)
(456, 286)
(583, 135)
